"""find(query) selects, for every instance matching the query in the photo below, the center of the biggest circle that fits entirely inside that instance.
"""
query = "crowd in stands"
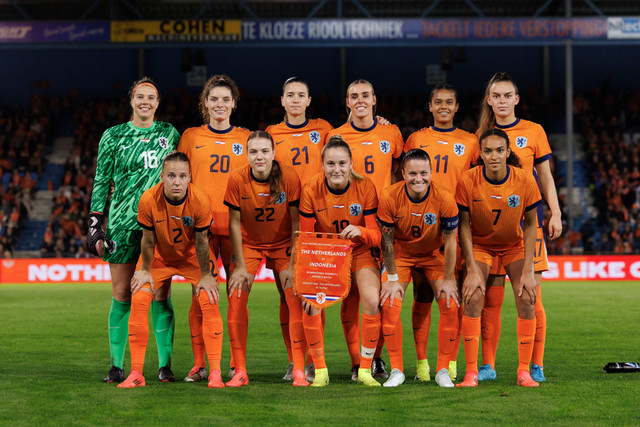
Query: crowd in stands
(603, 118)
(609, 122)
(25, 134)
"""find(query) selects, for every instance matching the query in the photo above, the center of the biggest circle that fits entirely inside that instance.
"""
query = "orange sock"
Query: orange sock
(378, 353)
(237, 322)
(195, 326)
(369, 340)
(447, 333)
(314, 332)
(284, 326)
(526, 330)
(296, 330)
(393, 335)
(471, 333)
(421, 320)
(541, 331)
(456, 345)
(309, 357)
(139, 328)
(350, 316)
(491, 324)
(212, 330)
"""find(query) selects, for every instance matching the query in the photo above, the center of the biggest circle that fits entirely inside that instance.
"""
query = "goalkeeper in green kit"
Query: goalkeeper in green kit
(130, 157)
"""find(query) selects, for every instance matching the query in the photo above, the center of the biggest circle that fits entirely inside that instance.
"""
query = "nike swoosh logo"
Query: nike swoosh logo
(477, 200)
(245, 198)
(296, 342)
(468, 339)
(387, 335)
(279, 142)
(232, 340)
(160, 220)
(217, 333)
(162, 330)
(424, 146)
(193, 336)
(399, 216)
(373, 340)
(524, 343)
(124, 147)
(200, 146)
(320, 210)
(538, 261)
(311, 345)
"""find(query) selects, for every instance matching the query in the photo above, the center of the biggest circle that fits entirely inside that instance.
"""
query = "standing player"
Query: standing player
(263, 200)
(215, 149)
(299, 141)
(376, 151)
(415, 216)
(175, 217)
(530, 144)
(493, 198)
(129, 158)
(451, 150)
(343, 202)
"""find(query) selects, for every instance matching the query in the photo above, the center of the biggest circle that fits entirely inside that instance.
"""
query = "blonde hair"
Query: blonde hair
(356, 82)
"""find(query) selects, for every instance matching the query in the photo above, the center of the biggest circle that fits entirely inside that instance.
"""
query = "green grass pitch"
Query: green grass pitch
(54, 354)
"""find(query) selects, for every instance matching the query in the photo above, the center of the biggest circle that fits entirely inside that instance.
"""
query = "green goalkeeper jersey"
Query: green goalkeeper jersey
(131, 158)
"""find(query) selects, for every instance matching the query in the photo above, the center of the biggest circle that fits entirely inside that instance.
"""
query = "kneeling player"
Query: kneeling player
(175, 217)
(492, 199)
(414, 217)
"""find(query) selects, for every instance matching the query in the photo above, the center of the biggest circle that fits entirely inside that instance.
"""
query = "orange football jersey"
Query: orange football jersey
(264, 225)
(496, 208)
(213, 156)
(300, 147)
(418, 224)
(450, 150)
(529, 141)
(174, 223)
(334, 211)
(373, 150)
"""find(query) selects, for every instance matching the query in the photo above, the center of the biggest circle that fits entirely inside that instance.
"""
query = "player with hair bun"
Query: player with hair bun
(417, 217)
(529, 142)
(376, 150)
(299, 141)
(343, 202)
(175, 217)
(129, 158)
(215, 149)
(451, 151)
(492, 199)
(263, 199)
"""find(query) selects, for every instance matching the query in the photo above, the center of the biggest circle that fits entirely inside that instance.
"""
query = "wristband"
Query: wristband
(392, 277)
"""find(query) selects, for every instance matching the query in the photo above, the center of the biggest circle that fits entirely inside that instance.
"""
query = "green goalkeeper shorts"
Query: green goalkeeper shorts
(124, 246)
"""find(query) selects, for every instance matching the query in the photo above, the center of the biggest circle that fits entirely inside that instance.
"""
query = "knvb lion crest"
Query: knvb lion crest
(430, 218)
